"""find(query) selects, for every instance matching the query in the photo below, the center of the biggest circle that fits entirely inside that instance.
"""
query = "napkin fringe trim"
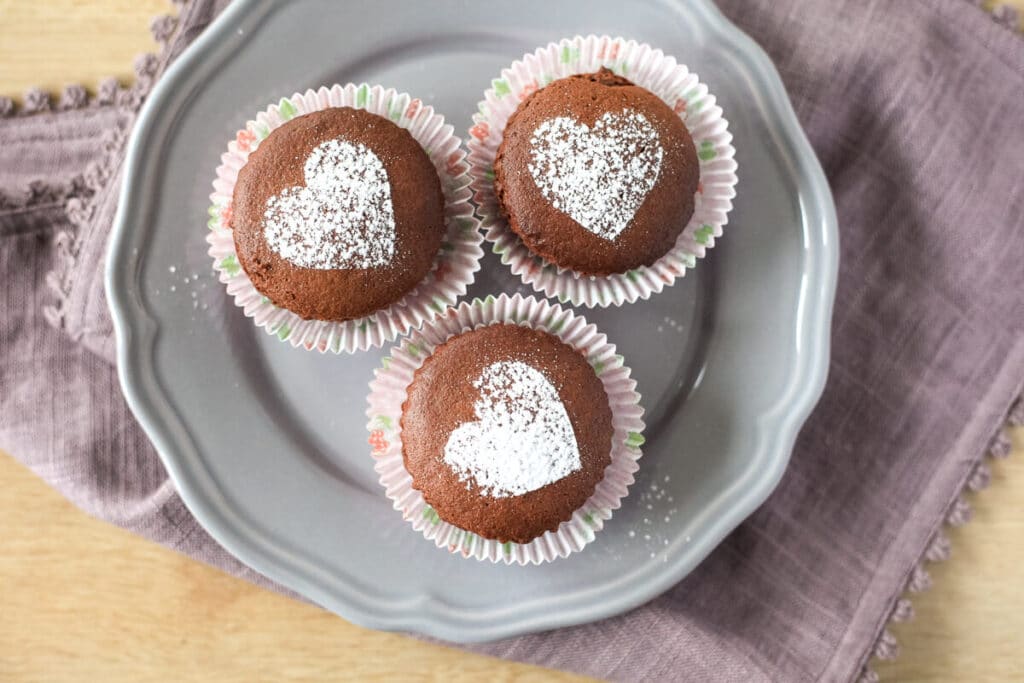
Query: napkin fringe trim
(1005, 15)
(41, 193)
(79, 195)
(886, 646)
(109, 92)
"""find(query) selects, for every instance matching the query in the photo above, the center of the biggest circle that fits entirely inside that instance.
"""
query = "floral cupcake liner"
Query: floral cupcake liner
(650, 69)
(388, 392)
(456, 263)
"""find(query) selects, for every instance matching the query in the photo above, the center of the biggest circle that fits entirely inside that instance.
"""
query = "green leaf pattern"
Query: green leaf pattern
(287, 109)
(229, 264)
(501, 87)
(707, 152)
(431, 515)
(704, 233)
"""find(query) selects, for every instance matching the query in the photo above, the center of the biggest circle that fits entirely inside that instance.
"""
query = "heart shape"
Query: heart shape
(341, 218)
(523, 439)
(598, 176)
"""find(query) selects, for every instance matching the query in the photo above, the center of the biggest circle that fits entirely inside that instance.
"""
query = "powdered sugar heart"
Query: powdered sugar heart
(523, 440)
(341, 218)
(598, 176)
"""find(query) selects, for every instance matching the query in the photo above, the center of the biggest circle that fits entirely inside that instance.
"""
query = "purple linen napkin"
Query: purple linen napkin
(914, 111)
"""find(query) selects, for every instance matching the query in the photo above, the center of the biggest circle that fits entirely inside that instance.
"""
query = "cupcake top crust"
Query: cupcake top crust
(506, 431)
(596, 174)
(337, 214)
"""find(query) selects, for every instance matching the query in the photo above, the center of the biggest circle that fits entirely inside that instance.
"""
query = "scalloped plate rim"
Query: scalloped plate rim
(136, 331)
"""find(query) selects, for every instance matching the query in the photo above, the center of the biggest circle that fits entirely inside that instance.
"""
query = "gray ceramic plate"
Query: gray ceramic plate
(266, 443)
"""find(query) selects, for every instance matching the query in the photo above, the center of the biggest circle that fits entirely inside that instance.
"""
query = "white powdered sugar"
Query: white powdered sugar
(342, 218)
(523, 439)
(598, 176)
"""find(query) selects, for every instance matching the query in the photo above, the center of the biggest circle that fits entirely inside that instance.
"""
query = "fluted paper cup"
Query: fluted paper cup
(455, 265)
(649, 68)
(388, 392)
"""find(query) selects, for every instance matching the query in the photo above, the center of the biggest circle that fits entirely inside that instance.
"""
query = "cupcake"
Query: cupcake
(508, 430)
(341, 218)
(337, 214)
(595, 174)
(602, 169)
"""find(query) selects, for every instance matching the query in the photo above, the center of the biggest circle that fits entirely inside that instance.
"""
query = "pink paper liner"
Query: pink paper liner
(648, 68)
(457, 261)
(388, 392)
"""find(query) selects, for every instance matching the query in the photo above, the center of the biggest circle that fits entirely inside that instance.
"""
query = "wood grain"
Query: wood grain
(83, 601)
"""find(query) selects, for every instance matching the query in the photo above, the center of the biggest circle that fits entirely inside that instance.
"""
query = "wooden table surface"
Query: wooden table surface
(83, 601)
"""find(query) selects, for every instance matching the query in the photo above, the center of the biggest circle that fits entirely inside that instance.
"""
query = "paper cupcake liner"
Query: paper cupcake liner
(388, 392)
(456, 263)
(650, 69)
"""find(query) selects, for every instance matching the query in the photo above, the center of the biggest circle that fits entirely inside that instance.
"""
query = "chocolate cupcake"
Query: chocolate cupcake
(340, 218)
(506, 431)
(596, 174)
(337, 214)
(602, 169)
